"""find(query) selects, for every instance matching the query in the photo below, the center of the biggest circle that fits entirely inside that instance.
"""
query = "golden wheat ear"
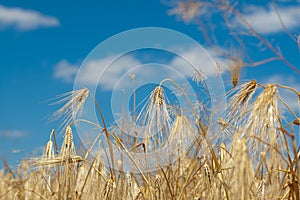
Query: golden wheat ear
(240, 102)
(235, 65)
(74, 102)
(158, 95)
(48, 152)
(68, 148)
(263, 124)
(155, 117)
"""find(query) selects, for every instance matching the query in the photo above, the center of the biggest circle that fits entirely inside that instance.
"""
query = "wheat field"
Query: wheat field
(258, 160)
(251, 154)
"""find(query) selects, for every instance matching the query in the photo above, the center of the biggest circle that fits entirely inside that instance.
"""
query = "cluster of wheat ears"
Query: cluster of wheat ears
(258, 159)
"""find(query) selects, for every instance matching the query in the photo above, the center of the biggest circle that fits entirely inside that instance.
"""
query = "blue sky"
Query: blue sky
(42, 44)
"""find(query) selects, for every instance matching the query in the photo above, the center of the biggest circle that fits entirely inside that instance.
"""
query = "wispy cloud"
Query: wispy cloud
(264, 19)
(65, 71)
(200, 61)
(107, 71)
(13, 134)
(24, 20)
(91, 73)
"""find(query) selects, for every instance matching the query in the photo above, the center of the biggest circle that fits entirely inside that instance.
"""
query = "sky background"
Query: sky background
(42, 44)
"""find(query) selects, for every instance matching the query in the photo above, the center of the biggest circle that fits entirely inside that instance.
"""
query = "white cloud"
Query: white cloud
(105, 73)
(110, 72)
(65, 71)
(25, 20)
(13, 134)
(264, 20)
(91, 72)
